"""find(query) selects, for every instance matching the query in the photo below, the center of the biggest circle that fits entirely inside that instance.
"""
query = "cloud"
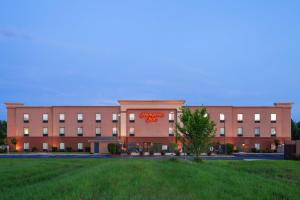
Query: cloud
(12, 33)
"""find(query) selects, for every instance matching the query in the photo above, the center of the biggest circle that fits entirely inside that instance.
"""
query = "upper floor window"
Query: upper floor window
(79, 117)
(240, 118)
(98, 131)
(240, 131)
(257, 131)
(26, 131)
(256, 118)
(45, 118)
(45, 131)
(131, 117)
(222, 131)
(273, 118)
(61, 117)
(80, 131)
(171, 117)
(171, 131)
(98, 117)
(273, 131)
(61, 131)
(114, 117)
(114, 131)
(131, 132)
(25, 118)
(222, 117)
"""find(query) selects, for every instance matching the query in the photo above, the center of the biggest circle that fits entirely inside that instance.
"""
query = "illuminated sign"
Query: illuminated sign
(151, 116)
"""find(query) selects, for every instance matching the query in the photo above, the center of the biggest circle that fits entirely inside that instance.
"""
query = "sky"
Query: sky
(96, 52)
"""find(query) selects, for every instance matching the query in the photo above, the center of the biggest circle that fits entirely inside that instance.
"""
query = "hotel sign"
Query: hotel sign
(151, 116)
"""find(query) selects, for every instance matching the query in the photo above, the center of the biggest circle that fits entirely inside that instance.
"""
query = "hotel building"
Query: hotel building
(141, 122)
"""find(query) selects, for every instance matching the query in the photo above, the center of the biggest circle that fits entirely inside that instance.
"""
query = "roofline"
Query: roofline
(152, 101)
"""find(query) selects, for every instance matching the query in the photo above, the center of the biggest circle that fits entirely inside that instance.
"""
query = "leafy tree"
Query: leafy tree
(295, 130)
(3, 131)
(14, 141)
(195, 128)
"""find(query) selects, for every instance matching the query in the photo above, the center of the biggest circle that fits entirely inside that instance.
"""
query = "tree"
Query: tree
(3, 131)
(197, 129)
(14, 142)
(295, 130)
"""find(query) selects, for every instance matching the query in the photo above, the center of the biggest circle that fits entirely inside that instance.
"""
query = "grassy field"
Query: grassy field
(147, 179)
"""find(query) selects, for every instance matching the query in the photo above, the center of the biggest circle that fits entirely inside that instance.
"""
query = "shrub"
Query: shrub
(54, 149)
(172, 148)
(229, 148)
(34, 149)
(177, 153)
(87, 149)
(69, 149)
(114, 148)
(186, 149)
(157, 148)
(254, 150)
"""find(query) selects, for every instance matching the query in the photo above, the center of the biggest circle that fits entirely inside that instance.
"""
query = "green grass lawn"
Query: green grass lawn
(147, 179)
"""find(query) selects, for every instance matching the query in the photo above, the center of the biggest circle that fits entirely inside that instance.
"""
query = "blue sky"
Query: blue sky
(96, 52)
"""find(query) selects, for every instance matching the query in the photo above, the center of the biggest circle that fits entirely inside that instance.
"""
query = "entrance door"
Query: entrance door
(96, 147)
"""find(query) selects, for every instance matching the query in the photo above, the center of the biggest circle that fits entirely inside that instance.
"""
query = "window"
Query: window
(222, 131)
(80, 131)
(240, 131)
(273, 131)
(98, 131)
(45, 146)
(26, 118)
(257, 146)
(26, 146)
(45, 131)
(26, 131)
(45, 118)
(61, 146)
(131, 117)
(273, 118)
(80, 146)
(80, 117)
(61, 117)
(61, 131)
(257, 131)
(114, 117)
(171, 132)
(131, 132)
(240, 118)
(171, 117)
(114, 131)
(98, 117)
(222, 117)
(257, 118)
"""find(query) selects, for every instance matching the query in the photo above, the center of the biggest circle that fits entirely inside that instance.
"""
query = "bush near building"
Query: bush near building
(114, 148)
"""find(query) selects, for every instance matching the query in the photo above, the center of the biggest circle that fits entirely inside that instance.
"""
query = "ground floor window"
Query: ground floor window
(45, 146)
(26, 146)
(257, 146)
(80, 146)
(62, 146)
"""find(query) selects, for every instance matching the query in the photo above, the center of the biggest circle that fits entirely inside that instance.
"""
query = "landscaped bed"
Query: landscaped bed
(148, 179)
